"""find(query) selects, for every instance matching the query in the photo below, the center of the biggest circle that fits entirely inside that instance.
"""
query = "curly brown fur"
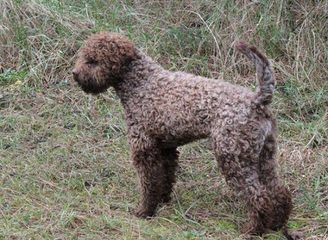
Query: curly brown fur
(164, 110)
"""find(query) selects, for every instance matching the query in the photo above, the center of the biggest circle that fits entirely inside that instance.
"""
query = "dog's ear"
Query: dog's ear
(125, 48)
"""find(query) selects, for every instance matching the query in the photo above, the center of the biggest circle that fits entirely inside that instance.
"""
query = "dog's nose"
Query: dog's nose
(74, 71)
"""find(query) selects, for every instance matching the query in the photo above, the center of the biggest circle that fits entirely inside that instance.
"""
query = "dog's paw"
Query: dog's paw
(293, 235)
(252, 228)
(143, 213)
(166, 198)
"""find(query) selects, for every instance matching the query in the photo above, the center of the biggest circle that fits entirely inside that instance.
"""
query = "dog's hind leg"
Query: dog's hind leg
(280, 195)
(239, 165)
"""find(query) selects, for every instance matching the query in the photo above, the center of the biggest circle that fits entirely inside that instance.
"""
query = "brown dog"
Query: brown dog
(166, 109)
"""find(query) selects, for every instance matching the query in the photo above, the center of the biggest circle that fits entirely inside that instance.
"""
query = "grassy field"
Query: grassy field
(65, 171)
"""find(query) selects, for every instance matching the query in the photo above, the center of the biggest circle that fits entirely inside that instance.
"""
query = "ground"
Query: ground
(65, 171)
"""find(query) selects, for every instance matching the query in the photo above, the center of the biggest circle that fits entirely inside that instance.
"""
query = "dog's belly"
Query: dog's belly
(173, 141)
(178, 133)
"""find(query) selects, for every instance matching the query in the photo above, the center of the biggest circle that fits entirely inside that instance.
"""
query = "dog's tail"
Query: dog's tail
(266, 80)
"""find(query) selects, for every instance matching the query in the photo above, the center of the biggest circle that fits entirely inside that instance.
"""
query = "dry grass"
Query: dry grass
(64, 161)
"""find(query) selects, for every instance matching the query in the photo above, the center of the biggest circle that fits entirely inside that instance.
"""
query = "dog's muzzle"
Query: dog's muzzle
(75, 75)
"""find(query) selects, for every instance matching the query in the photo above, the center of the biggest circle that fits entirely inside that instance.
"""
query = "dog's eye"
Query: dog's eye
(91, 61)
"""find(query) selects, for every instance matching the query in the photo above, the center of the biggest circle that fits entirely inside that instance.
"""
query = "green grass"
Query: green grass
(65, 171)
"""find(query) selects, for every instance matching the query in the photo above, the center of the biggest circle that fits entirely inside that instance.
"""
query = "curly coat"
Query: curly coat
(164, 110)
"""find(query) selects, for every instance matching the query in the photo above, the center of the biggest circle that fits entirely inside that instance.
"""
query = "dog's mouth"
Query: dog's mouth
(76, 78)
(90, 86)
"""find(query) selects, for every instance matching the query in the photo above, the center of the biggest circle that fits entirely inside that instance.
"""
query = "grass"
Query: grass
(65, 171)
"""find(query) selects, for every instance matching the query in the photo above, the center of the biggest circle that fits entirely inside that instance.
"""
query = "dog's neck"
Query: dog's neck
(136, 75)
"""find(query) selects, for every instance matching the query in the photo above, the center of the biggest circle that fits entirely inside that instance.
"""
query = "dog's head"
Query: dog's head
(102, 61)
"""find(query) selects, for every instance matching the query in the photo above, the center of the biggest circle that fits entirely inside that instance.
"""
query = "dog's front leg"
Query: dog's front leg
(151, 171)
